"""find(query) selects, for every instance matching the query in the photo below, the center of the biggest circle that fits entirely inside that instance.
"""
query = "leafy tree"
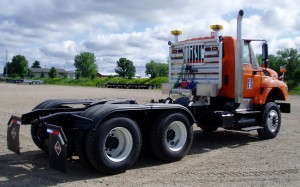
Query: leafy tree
(125, 68)
(65, 75)
(36, 64)
(52, 73)
(5, 69)
(156, 69)
(291, 59)
(18, 66)
(30, 74)
(42, 75)
(85, 64)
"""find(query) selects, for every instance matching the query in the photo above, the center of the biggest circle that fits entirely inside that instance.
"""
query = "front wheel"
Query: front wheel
(270, 121)
(171, 137)
(114, 146)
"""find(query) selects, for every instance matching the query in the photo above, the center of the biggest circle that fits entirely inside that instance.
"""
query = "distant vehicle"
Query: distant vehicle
(13, 80)
(24, 81)
(29, 81)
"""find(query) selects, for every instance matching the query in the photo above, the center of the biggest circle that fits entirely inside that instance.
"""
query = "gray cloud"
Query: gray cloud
(53, 32)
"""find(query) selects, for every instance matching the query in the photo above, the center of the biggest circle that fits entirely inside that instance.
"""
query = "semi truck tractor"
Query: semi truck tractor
(214, 82)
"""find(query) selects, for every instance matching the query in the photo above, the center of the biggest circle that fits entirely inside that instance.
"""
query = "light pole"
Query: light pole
(6, 65)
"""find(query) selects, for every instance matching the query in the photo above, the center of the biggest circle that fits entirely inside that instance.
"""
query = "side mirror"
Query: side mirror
(265, 55)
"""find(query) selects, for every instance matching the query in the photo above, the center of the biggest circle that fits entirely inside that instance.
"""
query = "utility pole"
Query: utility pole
(6, 65)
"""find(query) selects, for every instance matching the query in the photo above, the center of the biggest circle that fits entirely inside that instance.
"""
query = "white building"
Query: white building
(61, 73)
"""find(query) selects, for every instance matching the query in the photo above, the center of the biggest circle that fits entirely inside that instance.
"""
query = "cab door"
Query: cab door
(251, 72)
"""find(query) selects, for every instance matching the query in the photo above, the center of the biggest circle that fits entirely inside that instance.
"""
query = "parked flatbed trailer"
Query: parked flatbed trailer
(128, 86)
(24, 81)
(30, 81)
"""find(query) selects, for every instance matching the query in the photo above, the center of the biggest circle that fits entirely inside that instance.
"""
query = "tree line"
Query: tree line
(18, 67)
(290, 60)
(85, 67)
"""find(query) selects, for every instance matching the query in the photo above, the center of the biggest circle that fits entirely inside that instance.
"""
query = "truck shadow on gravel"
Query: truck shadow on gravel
(204, 142)
(31, 168)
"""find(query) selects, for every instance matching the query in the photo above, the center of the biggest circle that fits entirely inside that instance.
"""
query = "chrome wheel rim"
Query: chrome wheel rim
(273, 121)
(118, 144)
(176, 136)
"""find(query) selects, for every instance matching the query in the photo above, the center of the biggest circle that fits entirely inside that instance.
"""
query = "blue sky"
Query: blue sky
(54, 31)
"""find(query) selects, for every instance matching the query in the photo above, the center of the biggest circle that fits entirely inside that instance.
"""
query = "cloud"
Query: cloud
(65, 50)
(53, 32)
(139, 47)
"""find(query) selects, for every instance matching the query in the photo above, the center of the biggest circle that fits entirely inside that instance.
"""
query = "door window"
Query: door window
(246, 54)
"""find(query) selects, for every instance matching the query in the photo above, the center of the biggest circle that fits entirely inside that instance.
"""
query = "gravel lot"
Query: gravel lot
(223, 158)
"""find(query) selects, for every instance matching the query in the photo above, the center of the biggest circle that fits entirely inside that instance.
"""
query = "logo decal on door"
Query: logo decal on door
(250, 84)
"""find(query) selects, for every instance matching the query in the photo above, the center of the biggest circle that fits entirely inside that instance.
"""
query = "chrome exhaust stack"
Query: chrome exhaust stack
(239, 60)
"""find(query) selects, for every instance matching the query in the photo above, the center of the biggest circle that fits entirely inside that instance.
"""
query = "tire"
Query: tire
(171, 137)
(114, 146)
(39, 133)
(208, 129)
(40, 136)
(80, 149)
(270, 121)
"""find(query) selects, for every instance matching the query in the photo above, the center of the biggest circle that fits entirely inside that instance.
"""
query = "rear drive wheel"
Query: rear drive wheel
(270, 121)
(40, 136)
(80, 149)
(171, 137)
(114, 146)
(39, 133)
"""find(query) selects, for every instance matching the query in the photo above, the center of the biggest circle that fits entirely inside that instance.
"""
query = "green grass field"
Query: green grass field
(102, 81)
(293, 89)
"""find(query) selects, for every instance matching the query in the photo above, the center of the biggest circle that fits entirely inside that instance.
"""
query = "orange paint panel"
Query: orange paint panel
(251, 81)
(228, 66)
(261, 98)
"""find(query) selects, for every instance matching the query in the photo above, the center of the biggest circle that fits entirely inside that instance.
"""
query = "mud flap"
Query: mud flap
(57, 148)
(13, 131)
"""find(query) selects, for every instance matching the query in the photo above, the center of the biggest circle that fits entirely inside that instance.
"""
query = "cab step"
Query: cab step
(251, 128)
(245, 112)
